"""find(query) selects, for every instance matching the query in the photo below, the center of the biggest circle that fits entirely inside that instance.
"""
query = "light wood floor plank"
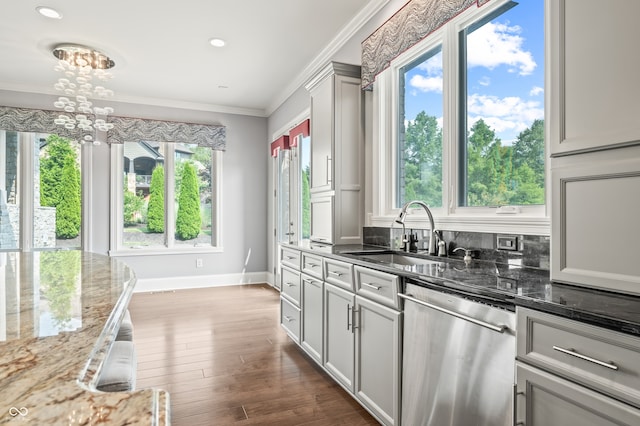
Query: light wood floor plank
(225, 360)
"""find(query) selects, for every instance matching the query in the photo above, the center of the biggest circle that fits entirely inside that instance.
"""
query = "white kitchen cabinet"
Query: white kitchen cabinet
(594, 140)
(595, 226)
(544, 399)
(311, 337)
(593, 87)
(339, 341)
(378, 332)
(337, 153)
(571, 373)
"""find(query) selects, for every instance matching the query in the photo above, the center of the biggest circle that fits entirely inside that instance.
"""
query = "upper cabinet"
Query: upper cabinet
(337, 153)
(595, 143)
(594, 88)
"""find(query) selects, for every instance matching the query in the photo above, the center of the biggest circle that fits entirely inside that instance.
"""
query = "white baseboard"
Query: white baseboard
(145, 285)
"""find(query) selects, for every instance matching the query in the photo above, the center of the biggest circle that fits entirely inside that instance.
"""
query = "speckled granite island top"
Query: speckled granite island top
(59, 314)
(504, 285)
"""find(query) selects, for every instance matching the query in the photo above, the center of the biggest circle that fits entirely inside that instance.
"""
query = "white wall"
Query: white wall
(244, 198)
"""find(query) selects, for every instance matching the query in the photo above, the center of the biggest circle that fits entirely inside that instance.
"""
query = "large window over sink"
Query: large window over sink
(462, 122)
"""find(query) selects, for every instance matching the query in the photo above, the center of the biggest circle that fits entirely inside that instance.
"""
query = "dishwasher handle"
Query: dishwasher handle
(498, 328)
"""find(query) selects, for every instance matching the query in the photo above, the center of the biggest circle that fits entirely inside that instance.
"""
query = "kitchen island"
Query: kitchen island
(60, 312)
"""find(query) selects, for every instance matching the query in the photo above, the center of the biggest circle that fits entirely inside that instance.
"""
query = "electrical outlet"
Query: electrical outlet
(199, 262)
(507, 242)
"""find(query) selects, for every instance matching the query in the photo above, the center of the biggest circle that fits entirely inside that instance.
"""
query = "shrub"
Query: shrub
(155, 210)
(68, 208)
(188, 221)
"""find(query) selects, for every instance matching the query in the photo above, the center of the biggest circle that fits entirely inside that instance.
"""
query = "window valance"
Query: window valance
(125, 129)
(409, 25)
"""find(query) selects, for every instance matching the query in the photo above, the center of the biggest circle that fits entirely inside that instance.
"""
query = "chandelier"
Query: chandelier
(84, 72)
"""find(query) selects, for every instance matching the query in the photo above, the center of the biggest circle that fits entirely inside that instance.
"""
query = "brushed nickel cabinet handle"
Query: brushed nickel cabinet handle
(572, 352)
(337, 274)
(375, 287)
(288, 318)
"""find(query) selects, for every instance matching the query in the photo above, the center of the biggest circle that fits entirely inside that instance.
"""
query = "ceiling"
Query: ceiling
(162, 51)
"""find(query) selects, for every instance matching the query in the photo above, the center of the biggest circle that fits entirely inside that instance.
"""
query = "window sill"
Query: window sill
(504, 224)
(163, 251)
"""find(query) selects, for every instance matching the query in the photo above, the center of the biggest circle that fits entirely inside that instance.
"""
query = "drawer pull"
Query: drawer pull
(289, 284)
(375, 287)
(337, 274)
(312, 265)
(585, 357)
(290, 257)
(288, 318)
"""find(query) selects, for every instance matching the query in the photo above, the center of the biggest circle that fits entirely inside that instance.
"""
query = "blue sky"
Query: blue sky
(505, 74)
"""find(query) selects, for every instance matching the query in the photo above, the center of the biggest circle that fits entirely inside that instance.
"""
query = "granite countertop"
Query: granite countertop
(59, 314)
(507, 285)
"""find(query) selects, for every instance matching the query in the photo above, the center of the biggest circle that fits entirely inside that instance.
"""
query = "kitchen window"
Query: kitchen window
(461, 123)
(168, 197)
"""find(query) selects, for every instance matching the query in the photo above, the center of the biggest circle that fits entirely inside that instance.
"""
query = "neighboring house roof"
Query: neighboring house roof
(141, 150)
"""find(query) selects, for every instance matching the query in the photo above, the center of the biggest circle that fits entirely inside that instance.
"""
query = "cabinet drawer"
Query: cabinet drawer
(339, 273)
(312, 265)
(378, 286)
(290, 285)
(290, 318)
(601, 359)
(290, 258)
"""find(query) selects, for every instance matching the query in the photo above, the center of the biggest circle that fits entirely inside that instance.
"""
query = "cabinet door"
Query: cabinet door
(311, 305)
(591, 41)
(322, 136)
(595, 226)
(339, 334)
(378, 359)
(322, 219)
(544, 399)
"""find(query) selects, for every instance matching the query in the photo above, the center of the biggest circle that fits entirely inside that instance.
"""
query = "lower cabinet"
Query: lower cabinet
(339, 341)
(544, 399)
(378, 359)
(311, 304)
(290, 318)
(363, 351)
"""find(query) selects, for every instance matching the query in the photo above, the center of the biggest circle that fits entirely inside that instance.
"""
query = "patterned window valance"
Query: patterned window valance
(125, 129)
(416, 20)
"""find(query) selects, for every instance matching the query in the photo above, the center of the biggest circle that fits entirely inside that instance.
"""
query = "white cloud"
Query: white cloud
(433, 65)
(536, 90)
(504, 115)
(484, 81)
(496, 44)
(427, 84)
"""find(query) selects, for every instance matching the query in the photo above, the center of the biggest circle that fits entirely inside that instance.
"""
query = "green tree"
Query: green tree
(422, 156)
(56, 152)
(529, 149)
(132, 207)
(68, 204)
(188, 221)
(155, 209)
(60, 185)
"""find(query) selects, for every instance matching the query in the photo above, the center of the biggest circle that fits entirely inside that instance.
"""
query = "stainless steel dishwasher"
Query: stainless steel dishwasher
(458, 361)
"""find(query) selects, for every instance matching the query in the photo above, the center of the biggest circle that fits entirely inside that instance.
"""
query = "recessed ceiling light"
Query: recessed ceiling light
(217, 42)
(49, 12)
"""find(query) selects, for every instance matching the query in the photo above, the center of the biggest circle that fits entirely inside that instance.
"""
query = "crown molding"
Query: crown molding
(328, 52)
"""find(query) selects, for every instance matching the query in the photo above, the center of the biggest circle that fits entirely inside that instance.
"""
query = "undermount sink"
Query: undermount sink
(396, 258)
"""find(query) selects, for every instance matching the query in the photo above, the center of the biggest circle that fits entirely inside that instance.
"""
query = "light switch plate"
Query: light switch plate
(507, 242)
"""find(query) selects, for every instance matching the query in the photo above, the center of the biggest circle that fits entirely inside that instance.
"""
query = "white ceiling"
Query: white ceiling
(161, 48)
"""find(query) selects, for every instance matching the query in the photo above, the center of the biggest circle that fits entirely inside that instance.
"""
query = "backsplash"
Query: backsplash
(532, 250)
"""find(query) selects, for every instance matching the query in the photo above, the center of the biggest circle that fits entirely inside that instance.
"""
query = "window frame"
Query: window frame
(529, 220)
(117, 197)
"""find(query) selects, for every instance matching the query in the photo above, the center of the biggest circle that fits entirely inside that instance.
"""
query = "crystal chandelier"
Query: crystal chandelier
(85, 69)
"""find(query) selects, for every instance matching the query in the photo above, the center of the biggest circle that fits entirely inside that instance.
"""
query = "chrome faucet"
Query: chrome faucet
(432, 232)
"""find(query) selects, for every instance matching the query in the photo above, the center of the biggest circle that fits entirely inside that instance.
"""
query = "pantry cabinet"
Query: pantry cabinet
(337, 153)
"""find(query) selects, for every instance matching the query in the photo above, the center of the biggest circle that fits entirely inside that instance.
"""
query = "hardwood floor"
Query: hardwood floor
(223, 357)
